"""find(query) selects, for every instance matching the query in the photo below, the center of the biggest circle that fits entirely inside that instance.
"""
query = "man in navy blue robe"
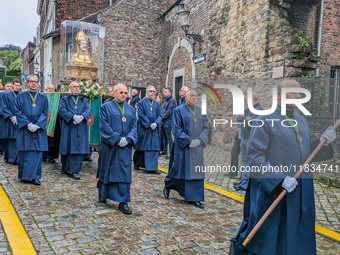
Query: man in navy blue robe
(190, 129)
(135, 98)
(290, 229)
(74, 112)
(53, 142)
(148, 143)
(118, 130)
(31, 110)
(3, 142)
(10, 123)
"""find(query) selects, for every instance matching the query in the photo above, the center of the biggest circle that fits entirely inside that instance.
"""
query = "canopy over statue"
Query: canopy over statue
(81, 51)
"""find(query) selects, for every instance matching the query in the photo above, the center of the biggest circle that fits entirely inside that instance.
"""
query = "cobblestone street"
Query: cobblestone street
(63, 216)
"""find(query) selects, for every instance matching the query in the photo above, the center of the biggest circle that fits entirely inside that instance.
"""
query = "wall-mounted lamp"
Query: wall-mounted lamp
(183, 16)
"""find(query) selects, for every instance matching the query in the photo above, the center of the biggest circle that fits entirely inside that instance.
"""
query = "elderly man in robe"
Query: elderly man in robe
(118, 130)
(53, 142)
(31, 110)
(148, 143)
(290, 229)
(3, 141)
(74, 112)
(190, 129)
(10, 123)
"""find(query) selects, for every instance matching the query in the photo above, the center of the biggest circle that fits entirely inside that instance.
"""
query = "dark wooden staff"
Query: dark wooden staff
(284, 192)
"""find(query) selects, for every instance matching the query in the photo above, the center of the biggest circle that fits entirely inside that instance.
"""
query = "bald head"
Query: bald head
(191, 97)
(49, 88)
(288, 83)
(120, 92)
(74, 88)
(120, 85)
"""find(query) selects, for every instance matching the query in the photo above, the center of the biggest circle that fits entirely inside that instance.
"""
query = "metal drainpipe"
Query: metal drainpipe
(319, 34)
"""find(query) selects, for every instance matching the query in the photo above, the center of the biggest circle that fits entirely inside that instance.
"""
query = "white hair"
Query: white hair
(135, 91)
(187, 92)
(115, 88)
(150, 86)
(185, 88)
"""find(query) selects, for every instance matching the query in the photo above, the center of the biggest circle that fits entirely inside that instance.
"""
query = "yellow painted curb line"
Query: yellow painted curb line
(318, 229)
(15, 232)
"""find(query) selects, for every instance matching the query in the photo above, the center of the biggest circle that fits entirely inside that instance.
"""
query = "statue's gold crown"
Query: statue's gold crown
(81, 36)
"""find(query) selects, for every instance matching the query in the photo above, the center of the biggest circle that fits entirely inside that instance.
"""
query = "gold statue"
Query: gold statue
(82, 57)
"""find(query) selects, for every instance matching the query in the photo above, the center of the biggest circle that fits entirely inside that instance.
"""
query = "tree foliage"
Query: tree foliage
(9, 56)
(16, 65)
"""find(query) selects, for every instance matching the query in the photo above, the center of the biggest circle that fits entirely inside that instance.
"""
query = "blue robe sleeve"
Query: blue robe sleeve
(205, 131)
(63, 112)
(132, 135)
(87, 113)
(182, 139)
(6, 113)
(42, 121)
(259, 142)
(108, 136)
(141, 116)
(21, 117)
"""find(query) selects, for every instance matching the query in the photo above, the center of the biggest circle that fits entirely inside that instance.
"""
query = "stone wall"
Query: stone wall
(243, 42)
(133, 42)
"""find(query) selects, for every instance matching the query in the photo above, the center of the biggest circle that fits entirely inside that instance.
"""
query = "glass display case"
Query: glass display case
(81, 51)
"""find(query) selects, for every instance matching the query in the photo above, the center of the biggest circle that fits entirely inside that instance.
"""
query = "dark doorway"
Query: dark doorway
(178, 86)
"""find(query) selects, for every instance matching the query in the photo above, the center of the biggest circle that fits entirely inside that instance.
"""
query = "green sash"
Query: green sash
(53, 105)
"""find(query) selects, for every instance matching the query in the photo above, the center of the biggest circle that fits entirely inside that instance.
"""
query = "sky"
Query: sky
(18, 21)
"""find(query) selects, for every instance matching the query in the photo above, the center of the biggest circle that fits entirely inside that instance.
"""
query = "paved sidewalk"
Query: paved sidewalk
(63, 216)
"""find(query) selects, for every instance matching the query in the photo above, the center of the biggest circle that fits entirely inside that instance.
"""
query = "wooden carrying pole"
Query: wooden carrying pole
(284, 192)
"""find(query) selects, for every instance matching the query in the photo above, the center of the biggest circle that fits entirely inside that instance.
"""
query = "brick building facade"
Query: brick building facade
(27, 62)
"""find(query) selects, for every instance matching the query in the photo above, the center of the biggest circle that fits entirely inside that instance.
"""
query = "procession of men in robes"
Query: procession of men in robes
(290, 229)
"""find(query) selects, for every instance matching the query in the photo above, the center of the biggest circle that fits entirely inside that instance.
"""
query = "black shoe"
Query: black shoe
(36, 182)
(15, 163)
(63, 171)
(1, 153)
(163, 153)
(136, 168)
(153, 172)
(43, 159)
(166, 192)
(238, 182)
(123, 207)
(101, 199)
(88, 159)
(52, 161)
(167, 157)
(197, 204)
(75, 176)
(26, 181)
